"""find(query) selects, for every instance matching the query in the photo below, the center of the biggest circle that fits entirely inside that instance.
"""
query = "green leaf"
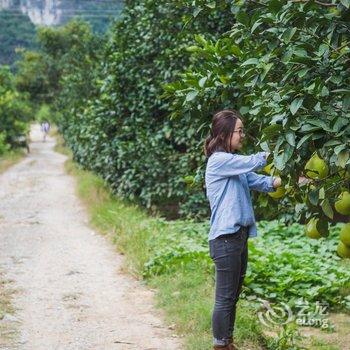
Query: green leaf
(193, 48)
(266, 68)
(300, 52)
(290, 137)
(302, 140)
(317, 135)
(327, 208)
(339, 148)
(324, 91)
(313, 197)
(317, 107)
(197, 11)
(272, 130)
(322, 193)
(236, 50)
(242, 17)
(279, 161)
(332, 143)
(322, 124)
(211, 5)
(346, 3)
(191, 96)
(323, 48)
(224, 79)
(343, 157)
(303, 72)
(200, 39)
(346, 102)
(346, 91)
(244, 110)
(250, 61)
(255, 25)
(202, 81)
(308, 127)
(288, 34)
(295, 105)
(287, 153)
(275, 5)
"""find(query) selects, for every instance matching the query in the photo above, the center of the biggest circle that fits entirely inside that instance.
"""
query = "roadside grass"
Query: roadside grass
(8, 329)
(59, 146)
(169, 257)
(10, 158)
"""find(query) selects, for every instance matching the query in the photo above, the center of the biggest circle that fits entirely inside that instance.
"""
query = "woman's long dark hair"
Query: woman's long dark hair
(222, 127)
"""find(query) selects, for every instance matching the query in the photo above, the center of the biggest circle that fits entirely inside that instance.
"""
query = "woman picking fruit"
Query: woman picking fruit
(229, 177)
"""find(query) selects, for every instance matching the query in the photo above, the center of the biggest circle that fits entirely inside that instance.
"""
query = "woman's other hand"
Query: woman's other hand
(277, 182)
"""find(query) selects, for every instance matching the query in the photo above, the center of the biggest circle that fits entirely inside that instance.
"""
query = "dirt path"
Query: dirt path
(71, 293)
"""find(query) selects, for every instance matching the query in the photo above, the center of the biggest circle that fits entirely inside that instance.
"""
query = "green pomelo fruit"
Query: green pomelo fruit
(342, 205)
(345, 234)
(343, 250)
(316, 168)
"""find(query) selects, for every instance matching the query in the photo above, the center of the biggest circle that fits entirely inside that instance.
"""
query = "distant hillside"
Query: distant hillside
(15, 32)
(19, 17)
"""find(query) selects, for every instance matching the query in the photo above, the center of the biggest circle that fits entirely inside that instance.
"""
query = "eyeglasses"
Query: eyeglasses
(240, 131)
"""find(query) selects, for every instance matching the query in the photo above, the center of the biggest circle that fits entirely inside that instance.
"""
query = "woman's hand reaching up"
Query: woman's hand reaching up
(277, 182)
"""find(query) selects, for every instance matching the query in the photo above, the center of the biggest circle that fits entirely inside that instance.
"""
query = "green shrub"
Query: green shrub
(15, 110)
(4, 147)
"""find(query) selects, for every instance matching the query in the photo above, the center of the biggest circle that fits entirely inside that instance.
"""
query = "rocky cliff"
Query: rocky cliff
(55, 12)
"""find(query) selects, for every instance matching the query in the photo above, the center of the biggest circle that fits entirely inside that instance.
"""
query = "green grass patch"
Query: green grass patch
(10, 158)
(60, 144)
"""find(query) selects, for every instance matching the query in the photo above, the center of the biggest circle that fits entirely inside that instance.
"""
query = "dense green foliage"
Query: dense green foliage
(113, 116)
(285, 66)
(62, 72)
(15, 111)
(125, 134)
(136, 108)
(37, 76)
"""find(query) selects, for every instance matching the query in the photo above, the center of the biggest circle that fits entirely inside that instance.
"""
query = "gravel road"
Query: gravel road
(71, 291)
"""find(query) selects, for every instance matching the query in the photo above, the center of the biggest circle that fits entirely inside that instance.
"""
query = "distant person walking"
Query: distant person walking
(229, 177)
(45, 128)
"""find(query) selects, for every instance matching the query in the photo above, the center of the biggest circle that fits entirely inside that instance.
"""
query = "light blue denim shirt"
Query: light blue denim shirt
(229, 177)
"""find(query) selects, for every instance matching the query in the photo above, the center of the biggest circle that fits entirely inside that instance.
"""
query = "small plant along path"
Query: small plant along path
(71, 292)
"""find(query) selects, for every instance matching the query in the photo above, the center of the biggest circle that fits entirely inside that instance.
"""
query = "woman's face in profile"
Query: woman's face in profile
(237, 136)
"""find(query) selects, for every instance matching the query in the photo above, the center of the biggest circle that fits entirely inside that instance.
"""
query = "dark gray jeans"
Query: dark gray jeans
(230, 255)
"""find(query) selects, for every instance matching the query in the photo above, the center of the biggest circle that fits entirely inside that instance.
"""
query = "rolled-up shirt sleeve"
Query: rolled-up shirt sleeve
(229, 164)
(261, 183)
